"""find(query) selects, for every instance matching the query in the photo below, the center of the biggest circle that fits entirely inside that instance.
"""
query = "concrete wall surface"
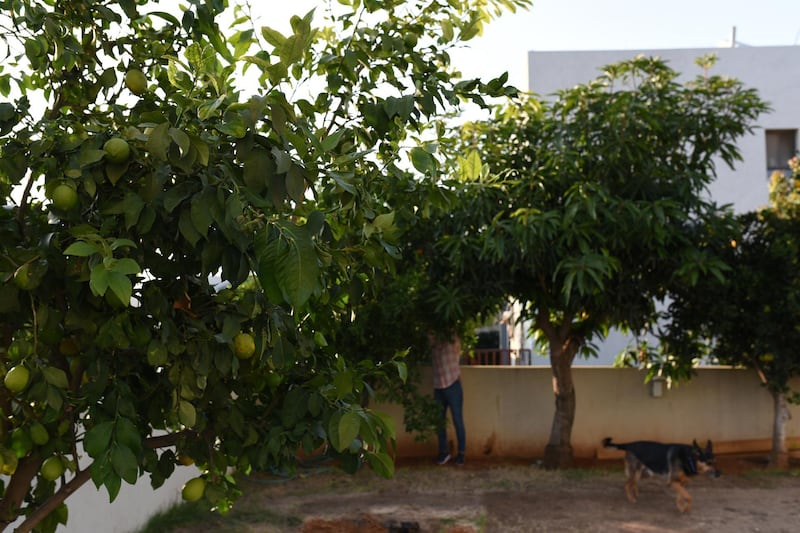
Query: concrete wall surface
(508, 411)
(90, 510)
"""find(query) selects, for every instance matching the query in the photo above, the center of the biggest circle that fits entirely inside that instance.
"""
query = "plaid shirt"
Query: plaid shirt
(446, 357)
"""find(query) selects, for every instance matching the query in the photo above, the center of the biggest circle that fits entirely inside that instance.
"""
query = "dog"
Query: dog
(677, 462)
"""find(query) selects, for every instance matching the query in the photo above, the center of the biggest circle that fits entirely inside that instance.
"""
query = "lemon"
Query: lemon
(117, 150)
(244, 346)
(17, 379)
(39, 434)
(193, 489)
(64, 197)
(185, 460)
(22, 278)
(52, 468)
(136, 81)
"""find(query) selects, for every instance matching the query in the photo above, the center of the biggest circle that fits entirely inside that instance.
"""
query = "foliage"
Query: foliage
(593, 204)
(271, 210)
(750, 318)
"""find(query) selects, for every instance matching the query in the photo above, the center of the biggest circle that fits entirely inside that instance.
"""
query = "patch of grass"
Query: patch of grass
(197, 517)
(179, 515)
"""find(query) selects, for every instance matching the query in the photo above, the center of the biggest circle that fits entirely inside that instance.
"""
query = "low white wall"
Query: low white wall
(508, 411)
(91, 512)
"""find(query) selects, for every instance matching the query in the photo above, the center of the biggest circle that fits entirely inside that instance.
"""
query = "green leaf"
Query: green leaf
(98, 439)
(345, 430)
(290, 257)
(187, 414)
(181, 139)
(187, 228)
(99, 279)
(90, 156)
(471, 167)
(124, 463)
(257, 168)
(343, 383)
(296, 183)
(158, 141)
(381, 463)
(295, 407)
(121, 286)
(125, 266)
(157, 353)
(56, 377)
(273, 37)
(423, 161)
(126, 433)
(113, 484)
(82, 249)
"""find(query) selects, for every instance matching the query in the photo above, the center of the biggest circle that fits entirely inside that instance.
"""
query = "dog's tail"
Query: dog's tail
(608, 444)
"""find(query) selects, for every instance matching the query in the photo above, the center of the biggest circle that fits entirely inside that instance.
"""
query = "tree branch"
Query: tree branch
(54, 501)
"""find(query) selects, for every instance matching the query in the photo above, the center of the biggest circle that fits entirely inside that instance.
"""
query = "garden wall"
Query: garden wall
(508, 411)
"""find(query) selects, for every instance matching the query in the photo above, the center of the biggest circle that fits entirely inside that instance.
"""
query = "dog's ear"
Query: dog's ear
(695, 445)
(708, 447)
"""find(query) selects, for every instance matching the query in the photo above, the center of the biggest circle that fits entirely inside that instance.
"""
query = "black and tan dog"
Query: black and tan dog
(677, 462)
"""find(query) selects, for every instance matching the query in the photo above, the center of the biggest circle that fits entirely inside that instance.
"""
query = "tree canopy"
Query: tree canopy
(594, 204)
(178, 252)
(750, 317)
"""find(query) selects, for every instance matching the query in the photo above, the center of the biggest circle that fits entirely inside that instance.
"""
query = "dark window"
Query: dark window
(781, 147)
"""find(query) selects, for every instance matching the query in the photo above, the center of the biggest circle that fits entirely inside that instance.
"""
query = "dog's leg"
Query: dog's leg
(682, 499)
(633, 472)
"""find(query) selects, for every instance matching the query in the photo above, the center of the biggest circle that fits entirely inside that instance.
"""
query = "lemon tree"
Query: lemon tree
(245, 208)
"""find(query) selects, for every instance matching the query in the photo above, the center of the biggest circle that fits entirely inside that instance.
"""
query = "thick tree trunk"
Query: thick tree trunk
(779, 456)
(558, 453)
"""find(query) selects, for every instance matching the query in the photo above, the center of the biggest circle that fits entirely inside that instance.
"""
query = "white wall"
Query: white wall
(91, 512)
(774, 71)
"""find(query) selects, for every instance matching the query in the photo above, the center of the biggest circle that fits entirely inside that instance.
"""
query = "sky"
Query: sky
(606, 25)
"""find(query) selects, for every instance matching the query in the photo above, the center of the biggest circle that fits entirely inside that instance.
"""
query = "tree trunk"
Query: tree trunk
(558, 453)
(779, 456)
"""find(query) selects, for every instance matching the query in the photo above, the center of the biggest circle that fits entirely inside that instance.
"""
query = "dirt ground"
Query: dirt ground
(522, 497)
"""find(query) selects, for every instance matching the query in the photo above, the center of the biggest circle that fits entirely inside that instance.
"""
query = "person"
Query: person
(447, 391)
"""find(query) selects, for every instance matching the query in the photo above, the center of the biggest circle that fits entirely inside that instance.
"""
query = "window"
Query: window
(781, 146)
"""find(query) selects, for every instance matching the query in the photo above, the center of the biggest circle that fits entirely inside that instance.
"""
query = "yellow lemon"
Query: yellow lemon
(193, 489)
(244, 346)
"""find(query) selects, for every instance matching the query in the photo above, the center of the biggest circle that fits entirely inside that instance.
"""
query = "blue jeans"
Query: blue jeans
(451, 397)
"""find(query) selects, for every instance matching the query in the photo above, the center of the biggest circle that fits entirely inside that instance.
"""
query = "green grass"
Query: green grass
(189, 516)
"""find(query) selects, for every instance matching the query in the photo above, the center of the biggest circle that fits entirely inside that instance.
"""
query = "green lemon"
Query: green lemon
(193, 489)
(244, 346)
(52, 468)
(136, 81)
(9, 462)
(39, 434)
(117, 150)
(64, 197)
(22, 278)
(17, 379)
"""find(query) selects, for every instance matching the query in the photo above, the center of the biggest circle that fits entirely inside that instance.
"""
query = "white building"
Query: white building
(773, 71)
